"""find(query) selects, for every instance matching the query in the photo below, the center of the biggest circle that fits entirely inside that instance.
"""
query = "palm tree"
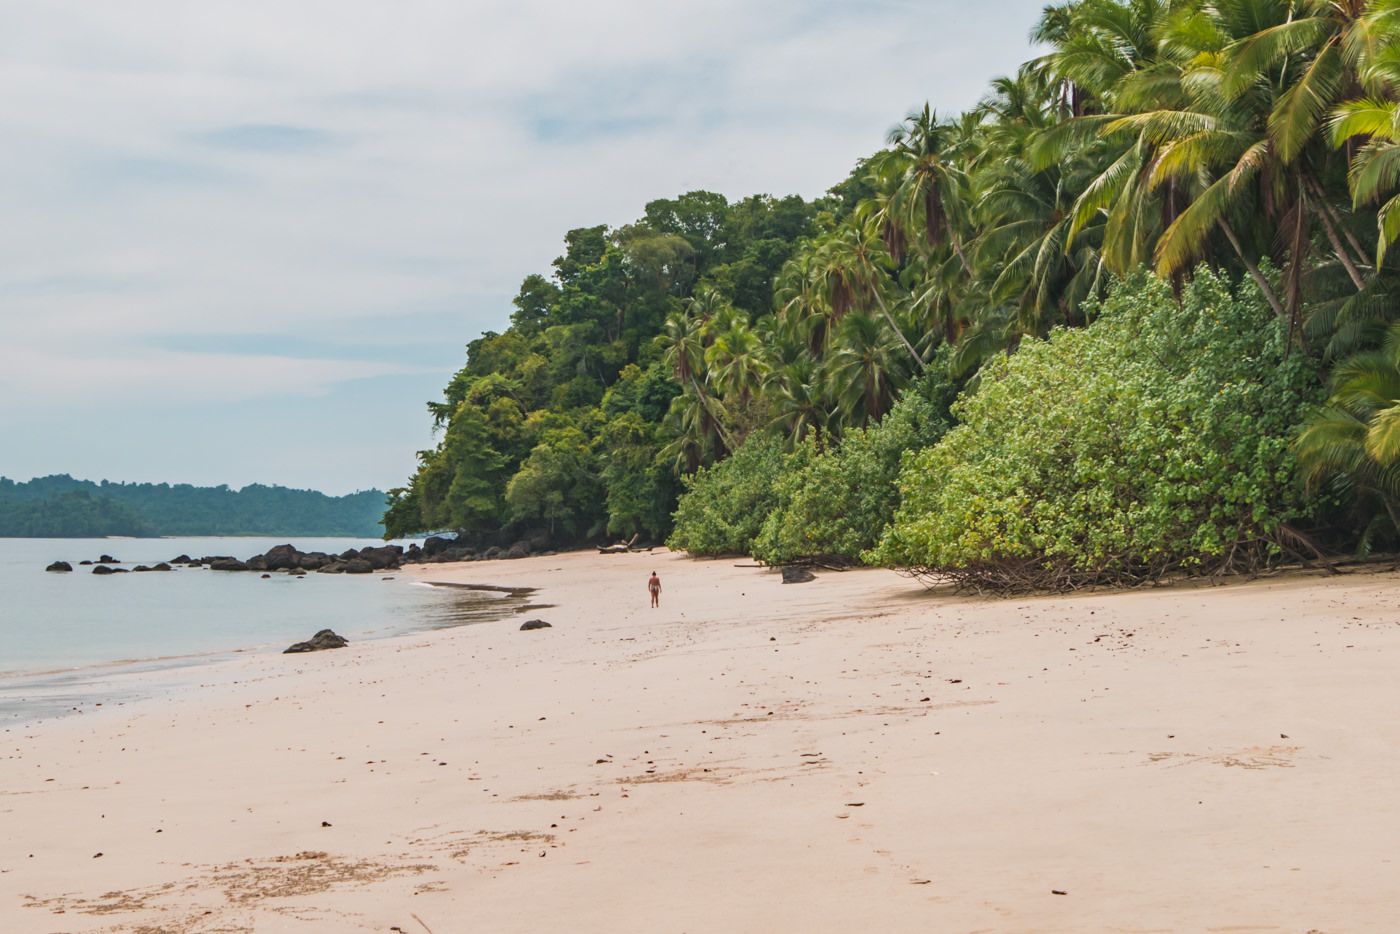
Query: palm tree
(1375, 171)
(854, 271)
(736, 359)
(797, 398)
(922, 171)
(866, 371)
(1354, 440)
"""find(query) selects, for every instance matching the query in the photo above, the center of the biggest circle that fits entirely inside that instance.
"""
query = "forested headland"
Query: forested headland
(1132, 315)
(61, 507)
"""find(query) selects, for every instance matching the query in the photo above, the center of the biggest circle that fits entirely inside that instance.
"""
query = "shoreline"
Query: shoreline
(852, 753)
(87, 684)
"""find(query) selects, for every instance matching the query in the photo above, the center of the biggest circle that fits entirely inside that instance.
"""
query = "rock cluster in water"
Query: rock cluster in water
(466, 546)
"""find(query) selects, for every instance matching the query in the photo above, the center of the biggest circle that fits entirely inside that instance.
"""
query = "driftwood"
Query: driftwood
(621, 547)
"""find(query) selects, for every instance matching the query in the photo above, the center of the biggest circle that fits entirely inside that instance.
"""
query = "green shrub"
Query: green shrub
(1154, 440)
(837, 506)
(724, 506)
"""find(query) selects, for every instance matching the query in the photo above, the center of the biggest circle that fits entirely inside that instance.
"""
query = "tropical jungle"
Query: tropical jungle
(1134, 314)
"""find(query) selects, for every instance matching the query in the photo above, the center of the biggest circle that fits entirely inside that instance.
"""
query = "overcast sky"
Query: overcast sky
(246, 241)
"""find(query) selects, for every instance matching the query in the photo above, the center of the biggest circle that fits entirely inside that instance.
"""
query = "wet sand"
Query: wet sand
(851, 754)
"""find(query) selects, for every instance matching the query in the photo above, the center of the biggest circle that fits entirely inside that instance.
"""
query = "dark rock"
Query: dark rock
(519, 550)
(325, 639)
(107, 559)
(256, 563)
(313, 560)
(349, 554)
(281, 557)
(161, 567)
(84, 563)
(797, 576)
(210, 559)
(59, 566)
(493, 552)
(140, 567)
(534, 624)
(227, 564)
(335, 567)
(358, 566)
(183, 559)
(103, 569)
(434, 544)
(539, 543)
(266, 576)
(383, 558)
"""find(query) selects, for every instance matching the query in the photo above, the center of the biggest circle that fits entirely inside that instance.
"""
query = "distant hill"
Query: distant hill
(62, 507)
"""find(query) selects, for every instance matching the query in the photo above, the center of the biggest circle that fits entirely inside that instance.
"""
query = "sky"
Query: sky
(245, 242)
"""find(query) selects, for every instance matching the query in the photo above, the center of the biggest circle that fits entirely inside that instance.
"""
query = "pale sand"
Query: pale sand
(1196, 759)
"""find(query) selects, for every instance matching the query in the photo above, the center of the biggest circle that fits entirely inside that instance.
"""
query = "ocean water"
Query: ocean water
(67, 639)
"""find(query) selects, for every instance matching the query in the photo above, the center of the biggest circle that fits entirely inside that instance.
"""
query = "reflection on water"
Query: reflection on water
(478, 603)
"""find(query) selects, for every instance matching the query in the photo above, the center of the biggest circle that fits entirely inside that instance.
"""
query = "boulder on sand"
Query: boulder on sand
(797, 576)
(358, 566)
(59, 566)
(325, 639)
(534, 624)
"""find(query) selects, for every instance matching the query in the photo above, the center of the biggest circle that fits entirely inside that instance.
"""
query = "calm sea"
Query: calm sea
(67, 640)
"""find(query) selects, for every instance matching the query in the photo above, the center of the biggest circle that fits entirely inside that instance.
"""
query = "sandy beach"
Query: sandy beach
(851, 754)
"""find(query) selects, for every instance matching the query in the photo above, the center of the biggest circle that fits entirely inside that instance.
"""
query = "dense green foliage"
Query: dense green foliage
(1257, 139)
(61, 507)
(820, 502)
(726, 505)
(834, 505)
(1153, 440)
(564, 423)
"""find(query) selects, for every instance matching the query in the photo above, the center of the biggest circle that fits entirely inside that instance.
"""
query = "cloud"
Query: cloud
(190, 188)
(268, 137)
(148, 377)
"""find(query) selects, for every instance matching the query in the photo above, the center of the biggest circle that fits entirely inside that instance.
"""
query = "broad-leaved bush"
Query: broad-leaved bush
(836, 507)
(1152, 441)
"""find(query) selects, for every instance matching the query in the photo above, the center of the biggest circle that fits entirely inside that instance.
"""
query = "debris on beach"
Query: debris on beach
(793, 575)
(534, 624)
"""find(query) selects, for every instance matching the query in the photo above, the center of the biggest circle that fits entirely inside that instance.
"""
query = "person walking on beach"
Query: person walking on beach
(654, 585)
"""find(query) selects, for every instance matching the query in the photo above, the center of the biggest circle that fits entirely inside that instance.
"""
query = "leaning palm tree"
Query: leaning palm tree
(854, 272)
